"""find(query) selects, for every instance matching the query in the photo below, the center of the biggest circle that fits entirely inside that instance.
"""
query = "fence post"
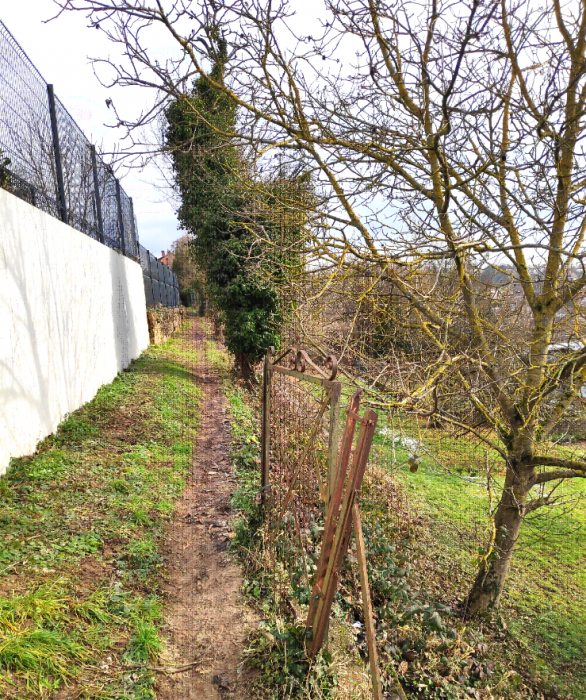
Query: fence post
(266, 428)
(57, 150)
(377, 692)
(120, 217)
(334, 439)
(97, 194)
(134, 231)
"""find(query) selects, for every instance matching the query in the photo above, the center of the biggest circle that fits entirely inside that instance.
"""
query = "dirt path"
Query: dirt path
(206, 618)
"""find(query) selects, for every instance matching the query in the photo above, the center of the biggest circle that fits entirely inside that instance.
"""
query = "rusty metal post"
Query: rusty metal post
(377, 692)
(334, 439)
(266, 428)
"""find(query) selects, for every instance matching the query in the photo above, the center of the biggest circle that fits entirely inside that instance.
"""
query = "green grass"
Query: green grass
(543, 604)
(146, 643)
(81, 524)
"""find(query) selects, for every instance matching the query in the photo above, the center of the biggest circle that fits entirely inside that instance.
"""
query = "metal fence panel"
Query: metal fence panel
(78, 175)
(156, 275)
(46, 159)
(26, 138)
(148, 290)
(33, 122)
(128, 224)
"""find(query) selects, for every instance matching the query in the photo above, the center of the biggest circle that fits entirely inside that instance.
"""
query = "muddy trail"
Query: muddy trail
(206, 619)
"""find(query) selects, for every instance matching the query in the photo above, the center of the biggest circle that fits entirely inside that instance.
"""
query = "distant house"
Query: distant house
(167, 258)
(504, 279)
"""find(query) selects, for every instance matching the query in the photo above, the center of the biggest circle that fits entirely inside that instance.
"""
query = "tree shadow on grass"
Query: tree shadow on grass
(176, 370)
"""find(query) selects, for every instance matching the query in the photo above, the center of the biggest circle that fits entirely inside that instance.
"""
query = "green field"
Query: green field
(543, 604)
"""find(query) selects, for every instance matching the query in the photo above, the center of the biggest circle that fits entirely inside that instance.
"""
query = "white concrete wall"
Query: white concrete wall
(72, 315)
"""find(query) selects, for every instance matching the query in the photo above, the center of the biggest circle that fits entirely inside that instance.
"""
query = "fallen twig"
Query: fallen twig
(16, 563)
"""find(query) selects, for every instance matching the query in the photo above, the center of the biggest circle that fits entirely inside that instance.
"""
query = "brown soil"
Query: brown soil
(206, 619)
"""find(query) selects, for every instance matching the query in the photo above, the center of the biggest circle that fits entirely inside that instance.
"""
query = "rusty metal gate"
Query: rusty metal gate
(291, 410)
(310, 483)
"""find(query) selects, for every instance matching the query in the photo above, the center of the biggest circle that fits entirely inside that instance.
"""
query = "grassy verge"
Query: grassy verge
(80, 525)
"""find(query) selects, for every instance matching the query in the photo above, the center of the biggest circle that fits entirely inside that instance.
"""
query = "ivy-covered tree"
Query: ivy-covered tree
(213, 180)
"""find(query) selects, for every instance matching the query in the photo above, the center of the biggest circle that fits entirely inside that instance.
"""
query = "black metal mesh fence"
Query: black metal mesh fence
(46, 159)
(26, 138)
(160, 282)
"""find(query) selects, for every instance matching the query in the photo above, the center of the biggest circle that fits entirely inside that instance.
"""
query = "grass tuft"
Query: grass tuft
(146, 644)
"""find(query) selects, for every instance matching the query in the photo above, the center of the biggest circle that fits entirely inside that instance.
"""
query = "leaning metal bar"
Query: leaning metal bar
(333, 440)
(57, 150)
(97, 194)
(326, 383)
(120, 218)
(302, 359)
(266, 428)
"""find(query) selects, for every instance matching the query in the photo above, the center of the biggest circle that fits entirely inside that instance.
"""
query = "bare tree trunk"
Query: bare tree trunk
(490, 580)
(244, 366)
(218, 327)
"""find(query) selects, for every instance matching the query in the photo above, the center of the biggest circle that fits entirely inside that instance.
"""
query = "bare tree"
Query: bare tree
(448, 139)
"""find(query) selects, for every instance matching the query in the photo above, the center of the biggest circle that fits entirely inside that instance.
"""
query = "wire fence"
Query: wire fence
(430, 506)
(46, 159)
(299, 447)
(446, 472)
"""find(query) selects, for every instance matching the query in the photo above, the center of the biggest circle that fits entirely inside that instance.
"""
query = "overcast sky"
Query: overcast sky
(60, 51)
